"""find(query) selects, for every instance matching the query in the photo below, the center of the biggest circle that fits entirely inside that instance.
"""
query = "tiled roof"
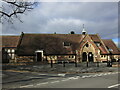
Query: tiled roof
(9, 41)
(96, 38)
(50, 43)
(111, 46)
(53, 43)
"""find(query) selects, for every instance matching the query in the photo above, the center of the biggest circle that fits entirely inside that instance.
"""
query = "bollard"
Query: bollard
(75, 64)
(97, 64)
(75, 61)
(51, 63)
(87, 64)
(63, 63)
(107, 63)
(110, 63)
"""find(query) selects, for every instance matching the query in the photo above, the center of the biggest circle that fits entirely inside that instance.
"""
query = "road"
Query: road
(106, 81)
(37, 80)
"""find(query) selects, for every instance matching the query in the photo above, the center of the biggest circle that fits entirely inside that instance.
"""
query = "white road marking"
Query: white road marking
(109, 73)
(55, 81)
(65, 80)
(114, 73)
(88, 76)
(94, 76)
(42, 74)
(105, 74)
(76, 77)
(61, 74)
(114, 86)
(71, 78)
(83, 76)
(99, 75)
(34, 77)
(25, 86)
(42, 83)
(52, 78)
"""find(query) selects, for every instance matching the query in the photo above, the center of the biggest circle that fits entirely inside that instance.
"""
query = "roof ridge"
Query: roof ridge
(48, 34)
(10, 35)
(92, 34)
(106, 39)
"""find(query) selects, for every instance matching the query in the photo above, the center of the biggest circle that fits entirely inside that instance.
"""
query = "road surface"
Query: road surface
(37, 80)
(89, 81)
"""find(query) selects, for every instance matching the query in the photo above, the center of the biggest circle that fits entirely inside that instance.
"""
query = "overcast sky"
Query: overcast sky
(50, 17)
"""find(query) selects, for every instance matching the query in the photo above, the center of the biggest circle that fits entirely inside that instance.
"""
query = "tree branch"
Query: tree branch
(15, 9)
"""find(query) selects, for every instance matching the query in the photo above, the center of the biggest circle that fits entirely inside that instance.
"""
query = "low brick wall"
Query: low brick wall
(25, 59)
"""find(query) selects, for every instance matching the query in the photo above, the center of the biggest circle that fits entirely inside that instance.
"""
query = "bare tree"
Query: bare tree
(12, 9)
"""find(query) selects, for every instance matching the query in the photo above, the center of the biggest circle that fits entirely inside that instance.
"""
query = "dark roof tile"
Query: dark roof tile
(9, 41)
(111, 46)
(50, 43)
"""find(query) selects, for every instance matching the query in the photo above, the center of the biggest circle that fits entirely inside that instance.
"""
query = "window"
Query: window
(8, 50)
(71, 56)
(67, 44)
(87, 45)
(97, 44)
(5, 50)
(13, 50)
(110, 49)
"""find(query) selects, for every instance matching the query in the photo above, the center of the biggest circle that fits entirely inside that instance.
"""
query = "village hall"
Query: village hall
(72, 47)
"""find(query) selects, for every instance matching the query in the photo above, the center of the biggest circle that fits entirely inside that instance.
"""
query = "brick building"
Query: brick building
(9, 44)
(58, 47)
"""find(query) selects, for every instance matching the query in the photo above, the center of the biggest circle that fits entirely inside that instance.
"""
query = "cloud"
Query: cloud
(64, 17)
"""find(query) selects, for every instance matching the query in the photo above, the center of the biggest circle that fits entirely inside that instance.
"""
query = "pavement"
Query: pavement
(59, 68)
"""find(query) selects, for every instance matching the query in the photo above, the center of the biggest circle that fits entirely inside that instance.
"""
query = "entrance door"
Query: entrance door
(39, 56)
(84, 57)
(90, 57)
